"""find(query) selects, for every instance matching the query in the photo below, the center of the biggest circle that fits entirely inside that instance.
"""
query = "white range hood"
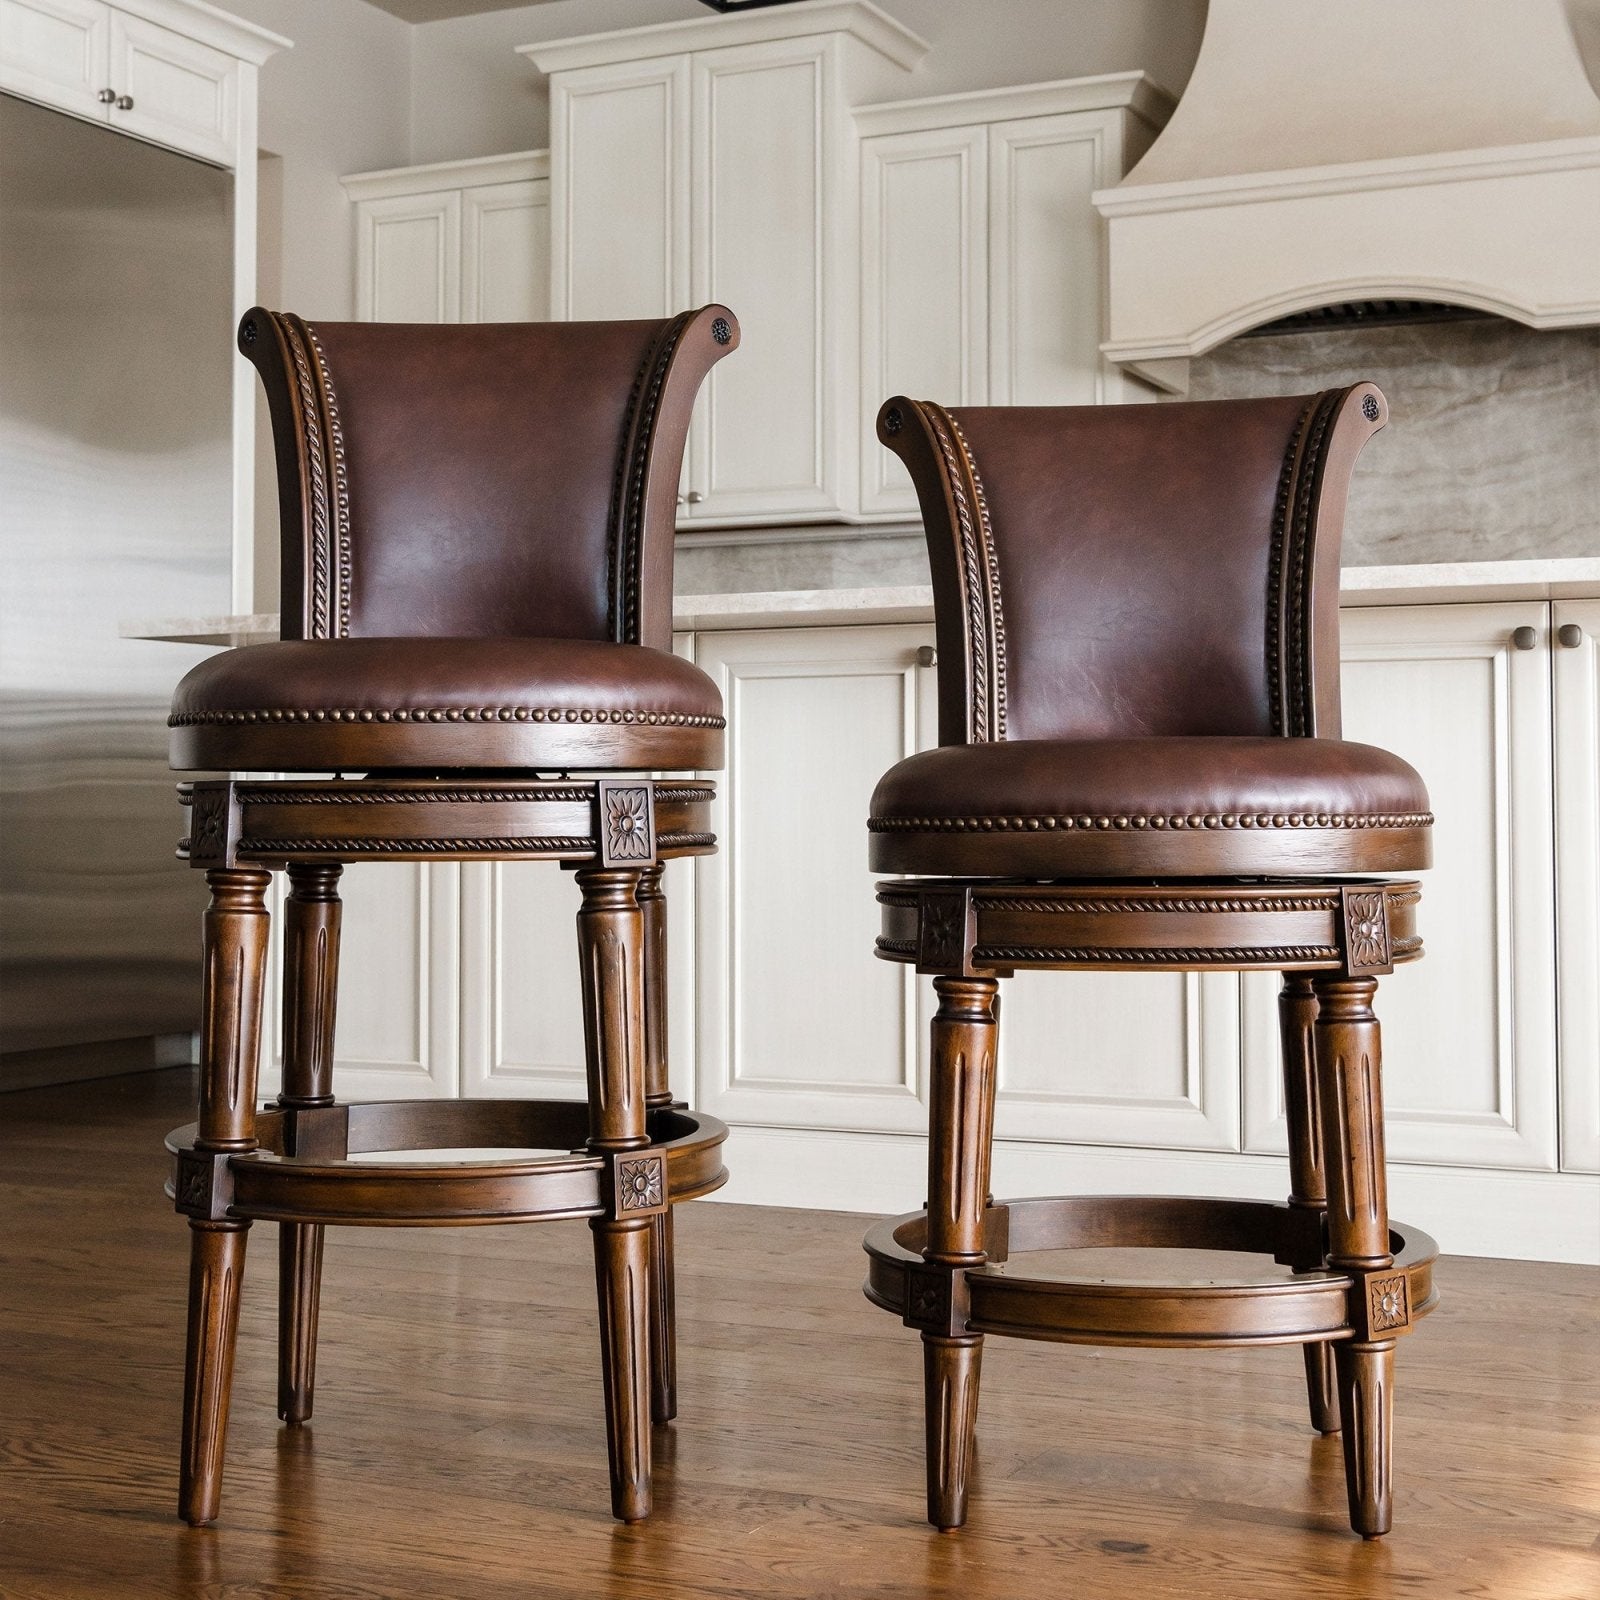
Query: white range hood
(1443, 150)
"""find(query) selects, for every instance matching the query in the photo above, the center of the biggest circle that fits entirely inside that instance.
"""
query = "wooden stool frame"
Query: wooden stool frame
(1359, 1282)
(636, 1152)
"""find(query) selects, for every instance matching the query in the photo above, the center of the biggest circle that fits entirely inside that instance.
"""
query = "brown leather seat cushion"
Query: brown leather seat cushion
(361, 704)
(1186, 807)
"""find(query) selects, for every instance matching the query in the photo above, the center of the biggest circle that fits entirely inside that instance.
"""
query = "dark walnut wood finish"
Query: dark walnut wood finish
(477, 559)
(1167, 796)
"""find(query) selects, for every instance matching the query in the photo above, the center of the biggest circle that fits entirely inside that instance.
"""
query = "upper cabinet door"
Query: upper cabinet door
(1576, 639)
(505, 252)
(174, 91)
(408, 258)
(56, 52)
(619, 190)
(1469, 1032)
(924, 287)
(773, 208)
(1047, 280)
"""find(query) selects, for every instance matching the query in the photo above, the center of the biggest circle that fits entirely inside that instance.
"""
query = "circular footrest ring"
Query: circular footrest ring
(1316, 1303)
(307, 1166)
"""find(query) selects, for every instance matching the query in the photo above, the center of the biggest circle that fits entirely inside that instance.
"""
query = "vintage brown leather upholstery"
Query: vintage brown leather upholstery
(360, 704)
(477, 528)
(1079, 808)
(1137, 616)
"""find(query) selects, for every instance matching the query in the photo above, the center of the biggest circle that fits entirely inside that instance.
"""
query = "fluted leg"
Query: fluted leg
(234, 964)
(658, 1094)
(1349, 1071)
(960, 1132)
(611, 947)
(1297, 1016)
(310, 988)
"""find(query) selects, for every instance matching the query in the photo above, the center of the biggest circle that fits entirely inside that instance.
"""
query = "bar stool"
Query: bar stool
(1140, 768)
(478, 529)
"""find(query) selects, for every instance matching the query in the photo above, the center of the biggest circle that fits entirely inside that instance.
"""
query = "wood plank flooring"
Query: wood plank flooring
(458, 1448)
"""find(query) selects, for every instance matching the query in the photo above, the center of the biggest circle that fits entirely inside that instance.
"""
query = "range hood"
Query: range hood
(1424, 150)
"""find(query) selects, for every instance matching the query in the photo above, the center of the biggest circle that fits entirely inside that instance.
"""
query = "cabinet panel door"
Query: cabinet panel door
(798, 1025)
(56, 52)
(505, 252)
(1469, 1031)
(184, 94)
(522, 1015)
(767, 199)
(1577, 713)
(619, 190)
(399, 1000)
(1047, 279)
(1124, 1058)
(408, 258)
(924, 287)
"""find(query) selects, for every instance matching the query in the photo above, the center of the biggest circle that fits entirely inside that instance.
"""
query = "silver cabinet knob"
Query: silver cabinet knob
(106, 96)
(927, 656)
(124, 102)
(1569, 635)
(694, 497)
(1524, 638)
(683, 499)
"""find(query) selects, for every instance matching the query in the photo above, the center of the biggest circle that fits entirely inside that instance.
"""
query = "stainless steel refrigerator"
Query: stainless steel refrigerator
(115, 485)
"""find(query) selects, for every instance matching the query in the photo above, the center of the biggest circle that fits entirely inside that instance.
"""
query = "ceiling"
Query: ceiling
(443, 10)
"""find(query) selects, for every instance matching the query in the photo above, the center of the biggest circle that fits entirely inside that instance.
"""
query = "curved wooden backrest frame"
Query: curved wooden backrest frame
(1116, 571)
(430, 483)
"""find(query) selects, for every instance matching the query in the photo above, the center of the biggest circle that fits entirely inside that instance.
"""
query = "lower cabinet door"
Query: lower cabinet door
(1469, 1032)
(398, 1014)
(799, 1024)
(1576, 664)
(1119, 1058)
(522, 1003)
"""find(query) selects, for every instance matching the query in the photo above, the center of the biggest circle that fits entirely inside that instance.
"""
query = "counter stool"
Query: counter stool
(1140, 769)
(478, 534)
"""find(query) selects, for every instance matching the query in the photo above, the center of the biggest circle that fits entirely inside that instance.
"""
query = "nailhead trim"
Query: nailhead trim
(673, 719)
(1084, 823)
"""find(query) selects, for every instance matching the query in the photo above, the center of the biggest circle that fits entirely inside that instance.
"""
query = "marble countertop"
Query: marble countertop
(1435, 584)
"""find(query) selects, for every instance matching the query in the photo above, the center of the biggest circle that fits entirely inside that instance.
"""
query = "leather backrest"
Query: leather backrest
(481, 480)
(1132, 571)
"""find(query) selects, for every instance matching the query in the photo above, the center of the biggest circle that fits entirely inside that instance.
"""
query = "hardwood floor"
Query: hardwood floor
(458, 1448)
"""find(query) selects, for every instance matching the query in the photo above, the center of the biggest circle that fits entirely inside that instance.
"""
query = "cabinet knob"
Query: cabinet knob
(927, 656)
(124, 102)
(694, 497)
(106, 96)
(1569, 635)
(1524, 638)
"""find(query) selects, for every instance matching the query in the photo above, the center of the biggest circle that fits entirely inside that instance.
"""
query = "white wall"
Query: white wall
(338, 102)
(472, 95)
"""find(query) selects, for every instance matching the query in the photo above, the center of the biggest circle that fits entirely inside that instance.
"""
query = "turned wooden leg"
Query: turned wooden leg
(611, 948)
(1308, 1188)
(234, 965)
(960, 1132)
(310, 985)
(658, 1095)
(1349, 1070)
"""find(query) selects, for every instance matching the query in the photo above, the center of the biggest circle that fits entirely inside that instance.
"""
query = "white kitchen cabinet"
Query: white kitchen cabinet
(715, 160)
(160, 70)
(463, 980)
(982, 257)
(1575, 660)
(1470, 1031)
(457, 241)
